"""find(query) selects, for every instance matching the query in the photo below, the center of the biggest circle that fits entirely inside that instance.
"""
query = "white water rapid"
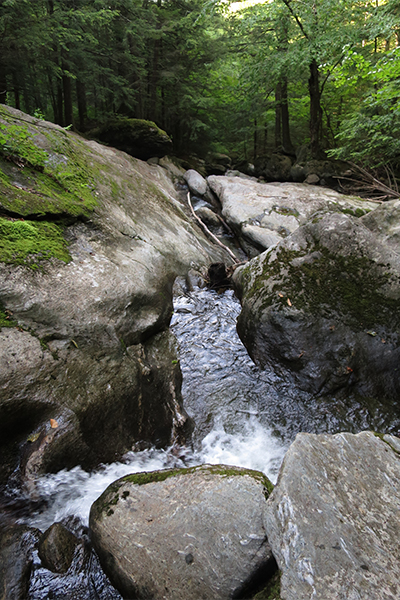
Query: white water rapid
(227, 396)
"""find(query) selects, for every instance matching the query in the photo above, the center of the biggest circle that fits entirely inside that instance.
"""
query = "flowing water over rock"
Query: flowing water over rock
(243, 416)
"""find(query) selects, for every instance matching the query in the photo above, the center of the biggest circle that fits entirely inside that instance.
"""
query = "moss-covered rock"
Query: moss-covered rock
(91, 241)
(324, 306)
(139, 138)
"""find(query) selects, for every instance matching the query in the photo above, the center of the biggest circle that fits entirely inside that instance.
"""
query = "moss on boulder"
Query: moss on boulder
(139, 138)
(324, 306)
(193, 533)
(91, 241)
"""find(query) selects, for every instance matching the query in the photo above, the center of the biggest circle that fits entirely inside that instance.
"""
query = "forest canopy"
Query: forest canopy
(244, 78)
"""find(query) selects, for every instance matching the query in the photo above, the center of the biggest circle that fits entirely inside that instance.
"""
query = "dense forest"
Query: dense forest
(243, 78)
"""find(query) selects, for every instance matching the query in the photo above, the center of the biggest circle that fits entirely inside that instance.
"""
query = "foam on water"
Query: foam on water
(72, 492)
(221, 390)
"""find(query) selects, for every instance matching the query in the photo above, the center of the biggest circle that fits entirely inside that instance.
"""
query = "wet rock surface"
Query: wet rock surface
(186, 534)
(323, 306)
(332, 519)
(17, 544)
(56, 548)
(83, 579)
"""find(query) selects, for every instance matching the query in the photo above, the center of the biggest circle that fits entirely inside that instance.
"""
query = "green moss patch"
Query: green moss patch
(6, 319)
(34, 181)
(17, 143)
(355, 212)
(29, 242)
(347, 284)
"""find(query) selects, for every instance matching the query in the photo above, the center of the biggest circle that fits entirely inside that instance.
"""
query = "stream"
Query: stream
(243, 416)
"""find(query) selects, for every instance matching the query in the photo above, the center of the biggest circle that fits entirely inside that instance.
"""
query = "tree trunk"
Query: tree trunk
(16, 91)
(3, 85)
(255, 140)
(315, 110)
(278, 116)
(286, 141)
(59, 116)
(82, 105)
(67, 91)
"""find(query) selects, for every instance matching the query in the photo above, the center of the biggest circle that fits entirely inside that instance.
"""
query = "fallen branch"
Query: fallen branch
(208, 232)
(370, 184)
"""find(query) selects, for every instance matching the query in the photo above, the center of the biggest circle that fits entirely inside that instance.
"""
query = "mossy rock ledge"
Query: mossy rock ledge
(138, 137)
(185, 534)
(91, 241)
(323, 306)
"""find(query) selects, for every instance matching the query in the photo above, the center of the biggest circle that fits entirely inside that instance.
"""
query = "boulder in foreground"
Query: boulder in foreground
(187, 534)
(333, 518)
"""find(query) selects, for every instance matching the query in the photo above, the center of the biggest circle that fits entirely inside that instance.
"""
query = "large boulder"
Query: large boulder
(323, 306)
(333, 518)
(184, 534)
(91, 242)
(139, 138)
(262, 214)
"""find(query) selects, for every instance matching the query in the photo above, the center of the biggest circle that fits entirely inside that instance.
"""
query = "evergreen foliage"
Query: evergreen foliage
(238, 77)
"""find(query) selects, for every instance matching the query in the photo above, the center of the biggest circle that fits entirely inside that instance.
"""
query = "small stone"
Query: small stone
(312, 179)
(56, 548)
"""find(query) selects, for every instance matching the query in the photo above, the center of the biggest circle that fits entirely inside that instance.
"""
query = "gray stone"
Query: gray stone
(17, 544)
(196, 182)
(384, 222)
(208, 216)
(323, 306)
(172, 166)
(83, 353)
(263, 213)
(56, 548)
(333, 519)
(183, 535)
(312, 179)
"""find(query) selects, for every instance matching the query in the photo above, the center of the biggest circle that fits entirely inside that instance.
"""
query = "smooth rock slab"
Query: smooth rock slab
(262, 214)
(333, 518)
(189, 534)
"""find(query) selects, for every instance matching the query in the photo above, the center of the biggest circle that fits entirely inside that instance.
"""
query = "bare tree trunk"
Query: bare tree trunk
(3, 85)
(17, 99)
(286, 141)
(67, 91)
(315, 110)
(82, 105)
(59, 117)
(255, 140)
(278, 115)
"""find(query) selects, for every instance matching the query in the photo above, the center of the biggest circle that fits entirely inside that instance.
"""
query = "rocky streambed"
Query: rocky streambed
(92, 241)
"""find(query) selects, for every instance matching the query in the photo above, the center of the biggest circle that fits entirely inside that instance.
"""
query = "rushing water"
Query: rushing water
(221, 389)
(243, 416)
